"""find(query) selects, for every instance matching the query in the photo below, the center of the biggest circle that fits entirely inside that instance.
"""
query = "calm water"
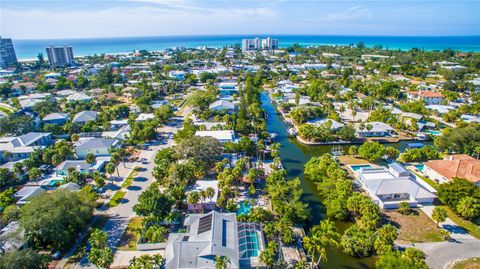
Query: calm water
(294, 156)
(29, 49)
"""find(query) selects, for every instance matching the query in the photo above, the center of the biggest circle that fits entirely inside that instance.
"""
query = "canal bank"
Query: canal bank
(294, 155)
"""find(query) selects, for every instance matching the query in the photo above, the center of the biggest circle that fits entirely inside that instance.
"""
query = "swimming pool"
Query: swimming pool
(54, 182)
(248, 240)
(434, 133)
(419, 166)
(243, 208)
(357, 167)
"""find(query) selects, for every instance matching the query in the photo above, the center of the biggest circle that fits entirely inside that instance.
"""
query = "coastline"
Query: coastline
(29, 48)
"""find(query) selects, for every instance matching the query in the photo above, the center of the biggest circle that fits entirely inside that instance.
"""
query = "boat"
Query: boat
(292, 132)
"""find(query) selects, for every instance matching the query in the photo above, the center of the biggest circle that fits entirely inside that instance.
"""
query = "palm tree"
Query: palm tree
(90, 159)
(210, 194)
(322, 237)
(18, 168)
(193, 198)
(155, 234)
(110, 169)
(221, 262)
(56, 160)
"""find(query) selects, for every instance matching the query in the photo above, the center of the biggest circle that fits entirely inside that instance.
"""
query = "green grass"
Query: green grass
(472, 228)
(117, 198)
(429, 181)
(5, 110)
(128, 182)
(131, 235)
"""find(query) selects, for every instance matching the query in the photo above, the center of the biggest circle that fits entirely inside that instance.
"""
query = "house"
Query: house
(78, 97)
(440, 109)
(470, 118)
(177, 75)
(460, 165)
(55, 118)
(82, 165)
(12, 237)
(85, 116)
(207, 204)
(25, 194)
(215, 234)
(145, 116)
(374, 129)
(334, 125)
(222, 106)
(20, 147)
(429, 97)
(29, 102)
(223, 135)
(95, 146)
(389, 187)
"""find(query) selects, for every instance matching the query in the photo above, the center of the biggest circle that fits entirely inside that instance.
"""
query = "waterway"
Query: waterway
(294, 156)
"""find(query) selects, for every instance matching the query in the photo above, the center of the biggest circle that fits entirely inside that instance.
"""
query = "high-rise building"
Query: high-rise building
(251, 44)
(269, 43)
(258, 44)
(8, 58)
(60, 56)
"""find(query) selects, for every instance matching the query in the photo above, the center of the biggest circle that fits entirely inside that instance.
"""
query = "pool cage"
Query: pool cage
(250, 243)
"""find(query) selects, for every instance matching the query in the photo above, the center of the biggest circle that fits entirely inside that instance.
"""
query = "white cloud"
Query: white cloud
(353, 13)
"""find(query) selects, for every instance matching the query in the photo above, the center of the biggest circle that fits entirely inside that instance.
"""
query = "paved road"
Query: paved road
(441, 254)
(121, 214)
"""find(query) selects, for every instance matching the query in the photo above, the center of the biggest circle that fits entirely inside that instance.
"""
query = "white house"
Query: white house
(95, 146)
(222, 105)
(223, 135)
(429, 97)
(85, 116)
(374, 129)
(389, 187)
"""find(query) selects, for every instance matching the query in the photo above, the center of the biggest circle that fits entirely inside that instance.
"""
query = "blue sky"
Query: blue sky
(117, 18)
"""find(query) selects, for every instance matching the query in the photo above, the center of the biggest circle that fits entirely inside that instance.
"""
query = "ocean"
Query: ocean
(30, 48)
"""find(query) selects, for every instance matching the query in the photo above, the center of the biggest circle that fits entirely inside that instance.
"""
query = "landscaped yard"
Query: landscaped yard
(414, 228)
(471, 227)
(116, 199)
(473, 263)
(349, 159)
(130, 178)
(131, 235)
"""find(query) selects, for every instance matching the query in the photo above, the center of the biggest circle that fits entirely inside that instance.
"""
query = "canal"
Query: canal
(294, 156)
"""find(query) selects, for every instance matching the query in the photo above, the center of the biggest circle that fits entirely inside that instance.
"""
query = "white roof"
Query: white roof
(223, 135)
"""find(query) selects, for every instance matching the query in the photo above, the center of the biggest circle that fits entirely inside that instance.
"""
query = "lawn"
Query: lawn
(414, 228)
(116, 199)
(131, 235)
(472, 228)
(348, 160)
(130, 178)
(428, 180)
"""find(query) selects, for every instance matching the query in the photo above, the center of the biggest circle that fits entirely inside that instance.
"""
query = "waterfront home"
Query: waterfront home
(389, 187)
(452, 166)
(223, 136)
(374, 129)
(429, 97)
(95, 146)
(222, 106)
(56, 118)
(20, 147)
(85, 116)
(207, 204)
(440, 109)
(334, 125)
(215, 234)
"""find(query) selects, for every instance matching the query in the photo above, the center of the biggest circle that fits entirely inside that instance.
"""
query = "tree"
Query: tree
(404, 208)
(56, 161)
(410, 259)
(439, 215)
(100, 254)
(267, 256)
(452, 192)
(6, 198)
(385, 239)
(321, 238)
(469, 207)
(193, 198)
(34, 174)
(163, 113)
(210, 192)
(153, 204)
(352, 150)
(146, 262)
(53, 220)
(221, 262)
(199, 149)
(372, 151)
(155, 234)
(23, 259)
(90, 158)
(110, 169)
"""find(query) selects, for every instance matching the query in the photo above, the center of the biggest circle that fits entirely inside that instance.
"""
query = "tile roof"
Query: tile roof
(462, 166)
